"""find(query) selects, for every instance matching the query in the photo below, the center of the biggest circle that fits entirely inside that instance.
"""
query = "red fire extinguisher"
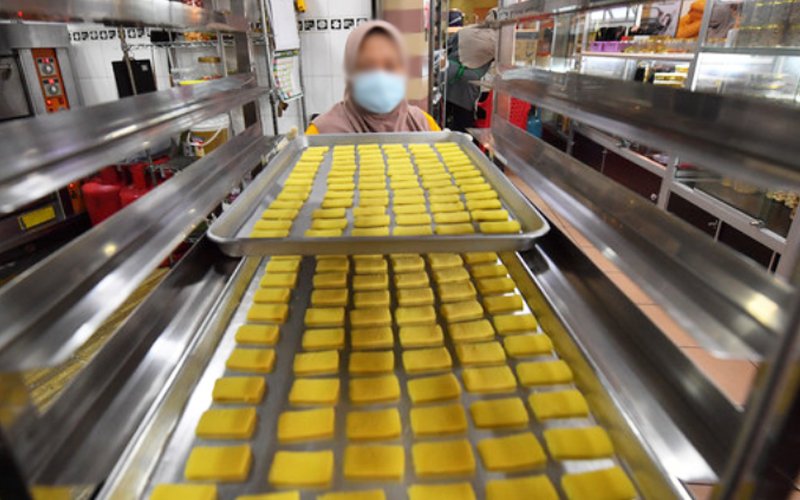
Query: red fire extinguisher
(101, 195)
(139, 188)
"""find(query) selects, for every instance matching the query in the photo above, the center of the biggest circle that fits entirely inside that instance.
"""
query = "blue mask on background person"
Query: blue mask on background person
(379, 91)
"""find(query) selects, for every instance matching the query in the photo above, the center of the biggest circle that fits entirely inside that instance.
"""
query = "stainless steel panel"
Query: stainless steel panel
(35, 97)
(233, 228)
(51, 309)
(129, 12)
(47, 152)
(734, 314)
(713, 131)
(32, 35)
(13, 101)
(532, 9)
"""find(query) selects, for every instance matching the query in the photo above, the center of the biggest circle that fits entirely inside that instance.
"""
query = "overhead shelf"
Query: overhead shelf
(45, 153)
(128, 13)
(642, 56)
(713, 131)
(533, 9)
(753, 51)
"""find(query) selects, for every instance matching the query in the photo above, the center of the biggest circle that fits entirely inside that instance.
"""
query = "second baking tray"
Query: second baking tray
(232, 230)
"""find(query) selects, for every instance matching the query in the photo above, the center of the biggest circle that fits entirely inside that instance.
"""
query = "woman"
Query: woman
(376, 65)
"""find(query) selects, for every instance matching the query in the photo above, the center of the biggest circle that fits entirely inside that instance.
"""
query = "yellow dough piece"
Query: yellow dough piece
(371, 363)
(377, 424)
(354, 495)
(272, 225)
(323, 338)
(279, 214)
(271, 233)
(227, 423)
(421, 336)
(444, 260)
(454, 229)
(380, 298)
(455, 491)
(489, 380)
(450, 275)
(316, 363)
(328, 213)
(578, 443)
(374, 462)
(301, 468)
(374, 202)
(324, 316)
(489, 215)
(367, 282)
(558, 404)
(502, 303)
(430, 389)
(481, 201)
(409, 264)
(495, 286)
(285, 495)
(370, 317)
(337, 203)
(528, 345)
(272, 313)
(278, 280)
(411, 280)
(413, 219)
(471, 331)
(272, 295)
(372, 338)
(451, 218)
(511, 226)
(239, 390)
(604, 484)
(306, 425)
(415, 315)
(330, 280)
(544, 373)
(371, 266)
(447, 207)
(409, 209)
(415, 297)
(176, 491)
(333, 264)
(371, 220)
(473, 258)
(257, 334)
(489, 271)
(251, 360)
(446, 198)
(335, 297)
(427, 360)
(514, 323)
(499, 413)
(443, 458)
(522, 488)
(456, 292)
(366, 211)
(462, 311)
(438, 420)
(222, 464)
(512, 453)
(314, 391)
(481, 353)
(323, 233)
(374, 389)
(282, 266)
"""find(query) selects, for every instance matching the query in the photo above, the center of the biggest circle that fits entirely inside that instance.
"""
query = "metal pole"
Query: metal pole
(267, 14)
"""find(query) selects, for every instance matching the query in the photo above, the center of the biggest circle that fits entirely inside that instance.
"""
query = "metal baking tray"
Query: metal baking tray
(231, 231)
(264, 444)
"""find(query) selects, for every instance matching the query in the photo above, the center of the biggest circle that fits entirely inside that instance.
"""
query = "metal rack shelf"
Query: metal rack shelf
(753, 51)
(654, 56)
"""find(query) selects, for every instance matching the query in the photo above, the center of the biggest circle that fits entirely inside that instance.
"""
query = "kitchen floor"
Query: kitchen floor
(733, 377)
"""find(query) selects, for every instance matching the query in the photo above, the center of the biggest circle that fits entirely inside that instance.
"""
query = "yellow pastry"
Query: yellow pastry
(368, 211)
(471, 331)
(219, 463)
(371, 266)
(427, 360)
(462, 311)
(354, 495)
(474, 258)
(323, 233)
(523, 488)
(314, 391)
(301, 468)
(494, 379)
(409, 264)
(514, 323)
(510, 226)
(370, 317)
(603, 484)
(380, 298)
(335, 297)
(251, 360)
(502, 413)
(306, 425)
(272, 295)
(371, 362)
(374, 462)
(454, 491)
(333, 264)
(451, 218)
(512, 453)
(257, 334)
(438, 420)
(316, 362)
(415, 297)
(417, 208)
(411, 280)
(375, 424)
(367, 282)
(502, 303)
(558, 404)
(579, 443)
(544, 373)
(480, 353)
(489, 203)
(324, 316)
(454, 229)
(278, 280)
(170, 492)
(374, 389)
(226, 423)
(421, 336)
(414, 315)
(456, 291)
(413, 219)
(528, 345)
(412, 231)
(495, 286)
(272, 313)
(239, 390)
(443, 458)
(329, 223)
(323, 338)
(282, 266)
(436, 388)
(372, 338)
(329, 213)
(450, 275)
(330, 280)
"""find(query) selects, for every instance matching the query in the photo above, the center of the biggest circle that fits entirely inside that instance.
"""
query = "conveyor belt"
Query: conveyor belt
(264, 444)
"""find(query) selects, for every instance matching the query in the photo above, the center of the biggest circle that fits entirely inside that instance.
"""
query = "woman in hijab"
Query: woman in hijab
(376, 66)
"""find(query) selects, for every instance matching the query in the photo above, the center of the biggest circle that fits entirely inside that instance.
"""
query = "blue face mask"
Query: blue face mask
(379, 91)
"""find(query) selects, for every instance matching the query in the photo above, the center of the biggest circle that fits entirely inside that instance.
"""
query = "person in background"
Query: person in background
(470, 56)
(376, 67)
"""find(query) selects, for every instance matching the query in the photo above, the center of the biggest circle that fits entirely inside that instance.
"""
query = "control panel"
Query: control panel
(50, 79)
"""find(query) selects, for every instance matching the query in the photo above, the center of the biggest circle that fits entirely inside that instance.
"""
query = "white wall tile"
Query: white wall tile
(98, 90)
(320, 8)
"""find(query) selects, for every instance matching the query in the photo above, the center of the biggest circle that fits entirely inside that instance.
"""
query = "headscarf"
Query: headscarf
(476, 46)
(348, 117)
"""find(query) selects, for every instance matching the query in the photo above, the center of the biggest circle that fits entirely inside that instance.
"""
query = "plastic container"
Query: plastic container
(207, 136)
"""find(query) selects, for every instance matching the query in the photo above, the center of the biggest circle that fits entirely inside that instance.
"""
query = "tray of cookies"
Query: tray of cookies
(378, 193)
(374, 377)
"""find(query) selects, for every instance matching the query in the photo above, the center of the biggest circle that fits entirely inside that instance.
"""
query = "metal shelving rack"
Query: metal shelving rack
(437, 57)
